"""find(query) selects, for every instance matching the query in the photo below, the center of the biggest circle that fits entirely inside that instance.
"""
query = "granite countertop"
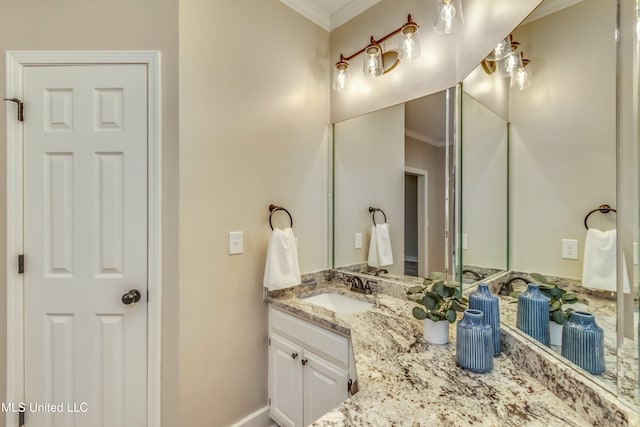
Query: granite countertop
(620, 360)
(405, 381)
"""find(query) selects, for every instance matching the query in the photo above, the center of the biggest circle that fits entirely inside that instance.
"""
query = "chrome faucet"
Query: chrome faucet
(358, 286)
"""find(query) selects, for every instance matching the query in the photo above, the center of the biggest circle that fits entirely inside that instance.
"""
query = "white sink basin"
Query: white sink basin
(338, 303)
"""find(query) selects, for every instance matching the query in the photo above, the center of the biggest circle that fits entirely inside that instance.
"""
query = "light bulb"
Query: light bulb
(448, 12)
(521, 79)
(372, 67)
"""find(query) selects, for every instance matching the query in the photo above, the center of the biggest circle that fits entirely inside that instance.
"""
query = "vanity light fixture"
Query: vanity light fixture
(508, 60)
(448, 16)
(376, 61)
(502, 50)
(521, 78)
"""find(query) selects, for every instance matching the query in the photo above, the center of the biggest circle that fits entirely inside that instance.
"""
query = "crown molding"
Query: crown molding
(329, 21)
(422, 138)
(547, 7)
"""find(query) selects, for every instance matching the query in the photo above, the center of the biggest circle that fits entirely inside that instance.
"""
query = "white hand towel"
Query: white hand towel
(599, 264)
(282, 269)
(380, 246)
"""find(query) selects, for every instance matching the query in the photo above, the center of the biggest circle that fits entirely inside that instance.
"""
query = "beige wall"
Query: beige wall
(254, 110)
(369, 171)
(563, 132)
(491, 90)
(113, 25)
(445, 60)
(421, 155)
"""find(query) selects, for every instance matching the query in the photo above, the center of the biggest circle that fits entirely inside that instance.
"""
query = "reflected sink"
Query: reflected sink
(338, 303)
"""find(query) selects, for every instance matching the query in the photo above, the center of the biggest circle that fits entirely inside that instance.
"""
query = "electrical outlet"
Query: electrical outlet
(569, 249)
(358, 240)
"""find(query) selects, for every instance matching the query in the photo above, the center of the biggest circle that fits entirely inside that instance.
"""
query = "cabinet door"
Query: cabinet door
(325, 386)
(285, 382)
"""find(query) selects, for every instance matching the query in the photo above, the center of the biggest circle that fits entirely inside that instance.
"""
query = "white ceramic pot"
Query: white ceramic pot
(436, 332)
(555, 337)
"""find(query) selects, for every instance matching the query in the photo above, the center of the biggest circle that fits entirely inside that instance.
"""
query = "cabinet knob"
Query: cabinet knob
(294, 355)
(304, 361)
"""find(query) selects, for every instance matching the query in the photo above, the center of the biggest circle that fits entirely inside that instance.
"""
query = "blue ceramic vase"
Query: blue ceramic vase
(533, 314)
(583, 342)
(474, 342)
(482, 299)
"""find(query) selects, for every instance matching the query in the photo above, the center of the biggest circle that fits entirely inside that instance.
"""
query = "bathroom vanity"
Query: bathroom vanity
(402, 379)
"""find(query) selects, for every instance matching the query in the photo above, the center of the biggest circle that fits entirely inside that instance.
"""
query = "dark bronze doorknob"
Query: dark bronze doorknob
(131, 297)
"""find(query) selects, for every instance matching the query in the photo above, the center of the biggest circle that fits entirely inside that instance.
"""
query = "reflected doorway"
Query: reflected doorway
(416, 223)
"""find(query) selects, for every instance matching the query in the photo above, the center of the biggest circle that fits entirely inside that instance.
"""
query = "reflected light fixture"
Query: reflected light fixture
(502, 50)
(508, 65)
(448, 16)
(521, 78)
(376, 61)
(508, 60)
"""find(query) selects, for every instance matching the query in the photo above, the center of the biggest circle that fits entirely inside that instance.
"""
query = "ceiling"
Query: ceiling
(329, 14)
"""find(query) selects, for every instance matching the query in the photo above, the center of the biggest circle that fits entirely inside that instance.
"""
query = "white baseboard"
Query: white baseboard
(259, 418)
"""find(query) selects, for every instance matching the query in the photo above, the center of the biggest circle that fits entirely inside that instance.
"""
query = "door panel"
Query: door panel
(85, 243)
(285, 382)
(325, 387)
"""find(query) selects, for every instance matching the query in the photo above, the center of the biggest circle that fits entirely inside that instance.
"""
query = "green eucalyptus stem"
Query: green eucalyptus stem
(437, 299)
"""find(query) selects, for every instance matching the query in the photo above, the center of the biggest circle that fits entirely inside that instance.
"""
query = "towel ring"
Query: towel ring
(602, 209)
(373, 214)
(273, 209)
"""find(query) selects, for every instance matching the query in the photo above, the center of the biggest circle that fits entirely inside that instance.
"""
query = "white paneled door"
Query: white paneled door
(85, 245)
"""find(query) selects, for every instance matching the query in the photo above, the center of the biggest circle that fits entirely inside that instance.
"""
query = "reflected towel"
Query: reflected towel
(282, 269)
(380, 246)
(599, 264)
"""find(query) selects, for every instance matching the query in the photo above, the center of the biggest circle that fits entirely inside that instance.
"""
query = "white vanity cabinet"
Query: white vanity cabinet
(309, 369)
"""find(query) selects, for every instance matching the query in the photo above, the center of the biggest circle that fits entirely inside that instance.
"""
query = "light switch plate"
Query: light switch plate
(235, 242)
(635, 253)
(358, 240)
(465, 241)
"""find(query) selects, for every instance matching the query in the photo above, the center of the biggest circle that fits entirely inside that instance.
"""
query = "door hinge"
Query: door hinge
(147, 295)
(20, 107)
(20, 419)
(269, 401)
(269, 340)
(20, 264)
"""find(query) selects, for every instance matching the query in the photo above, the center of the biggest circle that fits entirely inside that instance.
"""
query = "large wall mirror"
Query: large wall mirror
(564, 135)
(389, 169)
(528, 165)
(483, 166)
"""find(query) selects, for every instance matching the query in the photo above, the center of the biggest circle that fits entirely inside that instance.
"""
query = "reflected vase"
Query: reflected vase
(489, 304)
(555, 334)
(533, 314)
(474, 342)
(583, 342)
